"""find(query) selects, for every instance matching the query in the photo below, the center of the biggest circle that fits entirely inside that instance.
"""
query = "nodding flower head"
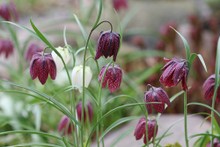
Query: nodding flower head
(65, 127)
(157, 95)
(6, 47)
(167, 34)
(111, 77)
(42, 65)
(88, 110)
(32, 49)
(8, 11)
(108, 45)
(140, 130)
(77, 77)
(120, 4)
(64, 54)
(208, 89)
(174, 71)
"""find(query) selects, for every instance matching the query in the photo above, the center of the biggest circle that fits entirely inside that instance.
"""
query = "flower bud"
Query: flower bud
(6, 47)
(157, 95)
(65, 127)
(108, 45)
(77, 77)
(112, 77)
(140, 129)
(208, 89)
(65, 55)
(174, 71)
(88, 111)
(41, 66)
(120, 4)
(8, 11)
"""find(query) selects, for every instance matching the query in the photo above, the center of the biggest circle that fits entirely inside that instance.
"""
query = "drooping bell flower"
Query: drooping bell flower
(120, 4)
(8, 11)
(42, 65)
(140, 130)
(88, 110)
(208, 89)
(108, 45)
(65, 55)
(157, 95)
(32, 49)
(77, 77)
(174, 71)
(6, 47)
(112, 77)
(65, 127)
(216, 143)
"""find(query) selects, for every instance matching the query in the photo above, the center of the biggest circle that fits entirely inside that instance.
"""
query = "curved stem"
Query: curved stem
(185, 120)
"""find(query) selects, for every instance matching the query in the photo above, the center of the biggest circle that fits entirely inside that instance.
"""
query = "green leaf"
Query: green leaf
(202, 61)
(186, 45)
(204, 105)
(117, 123)
(49, 99)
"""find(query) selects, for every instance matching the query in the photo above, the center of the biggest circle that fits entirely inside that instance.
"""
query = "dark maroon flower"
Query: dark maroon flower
(157, 95)
(41, 66)
(208, 88)
(8, 11)
(119, 4)
(216, 143)
(112, 78)
(108, 45)
(140, 129)
(6, 47)
(88, 111)
(32, 49)
(174, 71)
(65, 127)
(160, 45)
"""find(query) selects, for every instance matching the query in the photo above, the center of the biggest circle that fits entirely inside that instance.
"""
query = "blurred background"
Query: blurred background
(147, 39)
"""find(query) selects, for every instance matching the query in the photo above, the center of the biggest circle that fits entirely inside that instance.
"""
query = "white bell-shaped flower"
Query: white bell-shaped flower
(77, 77)
(65, 55)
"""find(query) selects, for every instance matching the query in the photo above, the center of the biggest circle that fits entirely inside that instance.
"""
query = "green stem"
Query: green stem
(185, 120)
(212, 113)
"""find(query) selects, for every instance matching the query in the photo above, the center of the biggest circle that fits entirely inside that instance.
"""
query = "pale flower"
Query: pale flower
(77, 77)
(65, 55)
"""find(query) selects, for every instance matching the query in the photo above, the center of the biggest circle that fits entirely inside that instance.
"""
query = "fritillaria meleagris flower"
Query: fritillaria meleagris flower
(88, 110)
(167, 34)
(140, 130)
(208, 89)
(112, 77)
(120, 4)
(32, 49)
(157, 95)
(174, 71)
(65, 55)
(77, 77)
(108, 45)
(6, 47)
(42, 65)
(65, 127)
(8, 11)
(216, 143)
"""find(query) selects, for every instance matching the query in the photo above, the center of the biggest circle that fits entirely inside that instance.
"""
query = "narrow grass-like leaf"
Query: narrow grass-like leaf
(201, 134)
(21, 27)
(186, 45)
(50, 99)
(202, 61)
(204, 105)
(117, 123)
